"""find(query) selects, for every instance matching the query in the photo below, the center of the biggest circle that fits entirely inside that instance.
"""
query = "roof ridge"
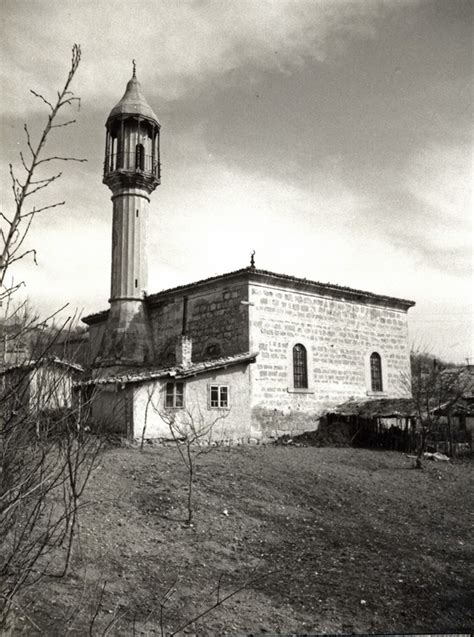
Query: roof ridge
(260, 272)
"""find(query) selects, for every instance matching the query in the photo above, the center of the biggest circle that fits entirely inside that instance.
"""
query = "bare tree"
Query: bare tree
(46, 457)
(436, 388)
(194, 433)
(16, 226)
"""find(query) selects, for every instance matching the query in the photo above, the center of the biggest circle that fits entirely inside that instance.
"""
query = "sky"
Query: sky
(333, 138)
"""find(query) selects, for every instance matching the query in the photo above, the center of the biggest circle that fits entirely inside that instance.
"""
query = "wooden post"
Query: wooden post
(450, 434)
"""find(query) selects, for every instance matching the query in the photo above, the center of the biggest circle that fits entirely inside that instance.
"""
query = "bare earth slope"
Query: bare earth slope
(357, 541)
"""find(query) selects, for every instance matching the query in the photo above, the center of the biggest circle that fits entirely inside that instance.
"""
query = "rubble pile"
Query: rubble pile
(338, 434)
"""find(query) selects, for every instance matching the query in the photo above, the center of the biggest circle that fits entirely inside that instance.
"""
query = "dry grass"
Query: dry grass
(359, 540)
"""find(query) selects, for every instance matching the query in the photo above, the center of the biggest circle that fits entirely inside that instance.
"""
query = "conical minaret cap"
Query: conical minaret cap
(133, 102)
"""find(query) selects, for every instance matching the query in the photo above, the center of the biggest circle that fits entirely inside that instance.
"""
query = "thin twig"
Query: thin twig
(220, 601)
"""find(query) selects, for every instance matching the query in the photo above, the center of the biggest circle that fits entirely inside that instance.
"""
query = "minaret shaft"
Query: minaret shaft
(129, 250)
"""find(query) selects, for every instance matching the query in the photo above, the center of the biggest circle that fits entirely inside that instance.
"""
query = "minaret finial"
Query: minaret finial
(252, 260)
(134, 68)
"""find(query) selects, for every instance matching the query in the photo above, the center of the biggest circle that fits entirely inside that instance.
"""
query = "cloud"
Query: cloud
(421, 207)
(325, 169)
(438, 178)
(207, 226)
(175, 43)
(206, 220)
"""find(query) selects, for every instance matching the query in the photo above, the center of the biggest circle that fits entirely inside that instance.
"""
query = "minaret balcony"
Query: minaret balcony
(131, 170)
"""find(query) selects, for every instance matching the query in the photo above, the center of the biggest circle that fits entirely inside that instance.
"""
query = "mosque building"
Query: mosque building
(257, 352)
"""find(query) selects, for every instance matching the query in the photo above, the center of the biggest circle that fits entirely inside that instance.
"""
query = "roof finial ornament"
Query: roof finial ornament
(252, 260)
(134, 68)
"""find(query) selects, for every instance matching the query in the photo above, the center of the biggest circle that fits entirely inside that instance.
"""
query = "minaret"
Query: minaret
(132, 172)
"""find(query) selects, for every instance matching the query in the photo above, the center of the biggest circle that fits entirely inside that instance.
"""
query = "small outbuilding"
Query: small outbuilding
(35, 386)
(210, 398)
(388, 423)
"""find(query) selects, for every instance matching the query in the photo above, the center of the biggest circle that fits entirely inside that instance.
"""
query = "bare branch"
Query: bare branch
(23, 162)
(42, 98)
(14, 183)
(5, 218)
(28, 140)
(18, 243)
(43, 161)
(68, 123)
(23, 190)
(43, 185)
(220, 601)
(71, 100)
(42, 181)
(32, 251)
(36, 210)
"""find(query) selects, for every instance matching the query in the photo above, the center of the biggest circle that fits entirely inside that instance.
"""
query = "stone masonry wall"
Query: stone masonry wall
(217, 322)
(339, 336)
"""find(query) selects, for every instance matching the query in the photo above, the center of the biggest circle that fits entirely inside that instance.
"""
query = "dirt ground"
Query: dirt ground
(343, 540)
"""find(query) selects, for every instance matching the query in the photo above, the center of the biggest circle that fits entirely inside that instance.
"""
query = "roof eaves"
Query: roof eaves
(175, 372)
(222, 363)
(376, 408)
(97, 317)
(50, 360)
(332, 287)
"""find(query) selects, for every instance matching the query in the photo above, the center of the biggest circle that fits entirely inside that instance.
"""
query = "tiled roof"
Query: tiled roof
(178, 372)
(275, 277)
(283, 277)
(48, 360)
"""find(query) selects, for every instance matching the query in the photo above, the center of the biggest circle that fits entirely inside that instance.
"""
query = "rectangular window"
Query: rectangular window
(174, 398)
(219, 396)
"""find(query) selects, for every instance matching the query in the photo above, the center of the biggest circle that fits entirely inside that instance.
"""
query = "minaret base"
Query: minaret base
(127, 339)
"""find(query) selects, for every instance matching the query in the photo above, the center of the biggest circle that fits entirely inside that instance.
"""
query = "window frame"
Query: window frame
(174, 395)
(300, 366)
(221, 388)
(376, 373)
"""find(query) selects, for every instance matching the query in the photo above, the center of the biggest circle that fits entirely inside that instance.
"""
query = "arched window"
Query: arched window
(139, 157)
(300, 367)
(376, 372)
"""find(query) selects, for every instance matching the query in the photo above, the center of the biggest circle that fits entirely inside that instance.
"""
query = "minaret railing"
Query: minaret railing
(132, 162)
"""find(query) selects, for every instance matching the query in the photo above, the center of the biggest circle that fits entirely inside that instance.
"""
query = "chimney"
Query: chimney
(184, 350)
